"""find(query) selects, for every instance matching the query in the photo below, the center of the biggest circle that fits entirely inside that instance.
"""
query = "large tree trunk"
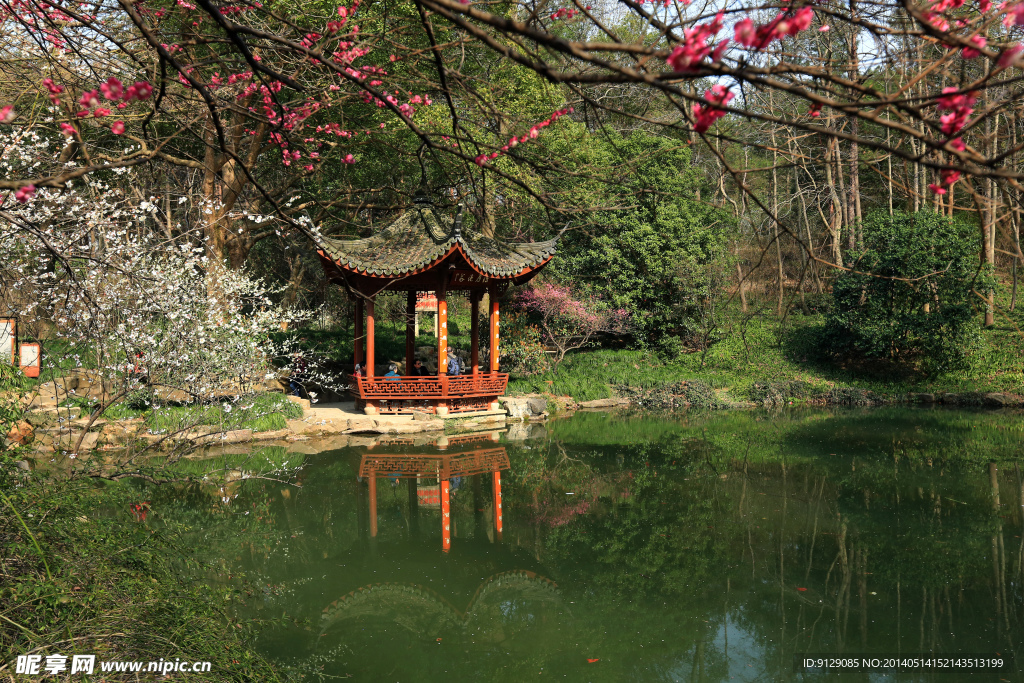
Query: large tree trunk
(856, 238)
(988, 222)
(835, 224)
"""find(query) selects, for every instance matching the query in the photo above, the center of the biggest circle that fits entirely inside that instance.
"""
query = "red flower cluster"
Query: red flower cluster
(949, 176)
(113, 89)
(566, 13)
(785, 24)
(53, 89)
(973, 52)
(24, 192)
(959, 107)
(140, 510)
(697, 45)
(705, 116)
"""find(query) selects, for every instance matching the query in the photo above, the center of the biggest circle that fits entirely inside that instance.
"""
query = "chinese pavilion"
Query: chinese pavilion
(426, 251)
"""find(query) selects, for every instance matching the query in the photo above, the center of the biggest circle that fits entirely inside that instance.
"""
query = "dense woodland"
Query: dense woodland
(697, 158)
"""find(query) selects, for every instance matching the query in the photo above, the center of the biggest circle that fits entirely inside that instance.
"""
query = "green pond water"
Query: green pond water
(676, 547)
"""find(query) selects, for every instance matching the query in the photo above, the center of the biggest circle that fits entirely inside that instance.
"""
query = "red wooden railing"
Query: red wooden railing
(432, 388)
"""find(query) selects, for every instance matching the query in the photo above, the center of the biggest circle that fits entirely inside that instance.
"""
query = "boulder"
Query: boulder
(605, 403)
(83, 422)
(538, 405)
(48, 395)
(234, 436)
(273, 434)
(21, 433)
(304, 402)
(516, 408)
(562, 403)
(297, 426)
(922, 398)
(362, 424)
(169, 395)
(40, 416)
(67, 441)
(997, 399)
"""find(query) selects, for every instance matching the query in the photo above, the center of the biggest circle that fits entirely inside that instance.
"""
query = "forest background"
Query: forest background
(785, 200)
(723, 174)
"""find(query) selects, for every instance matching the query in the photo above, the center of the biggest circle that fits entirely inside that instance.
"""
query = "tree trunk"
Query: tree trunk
(835, 226)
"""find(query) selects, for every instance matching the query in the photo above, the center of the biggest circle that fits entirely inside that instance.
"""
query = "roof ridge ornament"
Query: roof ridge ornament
(457, 226)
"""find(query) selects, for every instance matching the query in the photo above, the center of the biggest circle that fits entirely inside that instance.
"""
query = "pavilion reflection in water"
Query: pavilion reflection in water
(470, 456)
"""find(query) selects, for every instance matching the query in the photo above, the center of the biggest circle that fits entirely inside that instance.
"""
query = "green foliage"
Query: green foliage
(593, 375)
(760, 361)
(908, 298)
(522, 351)
(81, 574)
(12, 382)
(658, 258)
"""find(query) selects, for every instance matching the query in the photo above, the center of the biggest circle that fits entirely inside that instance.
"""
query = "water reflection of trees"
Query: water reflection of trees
(691, 548)
(896, 547)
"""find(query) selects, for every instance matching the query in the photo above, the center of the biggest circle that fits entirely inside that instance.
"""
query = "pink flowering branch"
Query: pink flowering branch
(482, 159)
(570, 321)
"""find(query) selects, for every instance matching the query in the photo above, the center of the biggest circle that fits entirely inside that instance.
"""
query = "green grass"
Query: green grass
(761, 350)
(260, 413)
(84, 575)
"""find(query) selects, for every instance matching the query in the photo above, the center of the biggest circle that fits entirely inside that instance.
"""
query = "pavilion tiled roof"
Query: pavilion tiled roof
(421, 236)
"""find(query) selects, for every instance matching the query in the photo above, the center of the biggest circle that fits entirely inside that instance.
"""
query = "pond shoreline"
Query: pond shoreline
(699, 394)
(47, 427)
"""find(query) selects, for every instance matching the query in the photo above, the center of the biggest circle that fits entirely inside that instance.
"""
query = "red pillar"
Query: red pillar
(372, 481)
(359, 331)
(474, 332)
(497, 503)
(442, 332)
(446, 520)
(369, 337)
(410, 331)
(442, 345)
(494, 330)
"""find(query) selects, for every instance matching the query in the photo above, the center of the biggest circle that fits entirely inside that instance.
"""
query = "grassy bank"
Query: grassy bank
(83, 573)
(760, 351)
(87, 568)
(258, 412)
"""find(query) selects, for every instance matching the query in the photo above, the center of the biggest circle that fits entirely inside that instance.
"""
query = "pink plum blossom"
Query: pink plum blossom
(23, 193)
